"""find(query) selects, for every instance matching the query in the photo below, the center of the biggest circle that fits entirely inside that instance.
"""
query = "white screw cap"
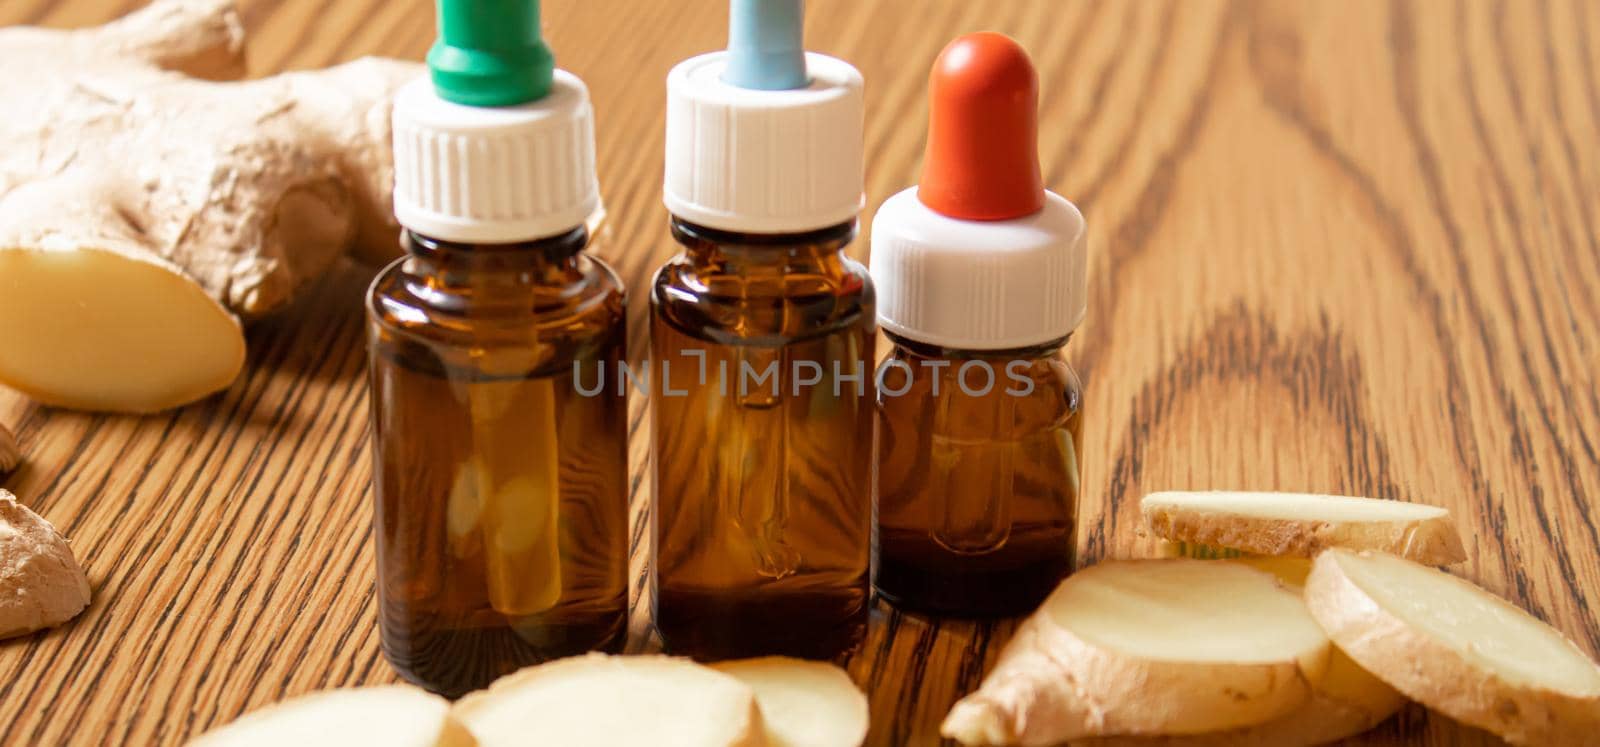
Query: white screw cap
(979, 285)
(494, 175)
(764, 161)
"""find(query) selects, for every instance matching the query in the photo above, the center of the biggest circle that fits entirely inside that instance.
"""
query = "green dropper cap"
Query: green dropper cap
(490, 53)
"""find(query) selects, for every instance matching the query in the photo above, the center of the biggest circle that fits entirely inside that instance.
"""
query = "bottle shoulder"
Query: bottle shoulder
(487, 311)
(1035, 392)
(781, 300)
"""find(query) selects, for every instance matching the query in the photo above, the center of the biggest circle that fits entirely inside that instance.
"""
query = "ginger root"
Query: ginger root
(145, 208)
(41, 584)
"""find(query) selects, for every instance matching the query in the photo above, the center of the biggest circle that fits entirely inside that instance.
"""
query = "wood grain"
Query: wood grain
(1341, 247)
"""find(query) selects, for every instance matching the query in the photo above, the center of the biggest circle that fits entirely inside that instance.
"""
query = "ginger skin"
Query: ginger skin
(127, 161)
(41, 584)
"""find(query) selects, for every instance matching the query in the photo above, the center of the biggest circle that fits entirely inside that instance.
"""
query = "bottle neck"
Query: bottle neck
(735, 253)
(926, 350)
(551, 261)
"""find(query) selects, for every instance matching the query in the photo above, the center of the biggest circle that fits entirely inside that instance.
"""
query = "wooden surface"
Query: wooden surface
(1336, 246)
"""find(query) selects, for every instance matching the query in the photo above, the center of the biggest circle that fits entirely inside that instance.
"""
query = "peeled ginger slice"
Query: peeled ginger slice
(1171, 646)
(804, 703)
(1457, 648)
(1303, 524)
(115, 331)
(614, 701)
(394, 715)
(1347, 700)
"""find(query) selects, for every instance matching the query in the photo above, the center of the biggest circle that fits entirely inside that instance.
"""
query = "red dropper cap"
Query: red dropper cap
(982, 161)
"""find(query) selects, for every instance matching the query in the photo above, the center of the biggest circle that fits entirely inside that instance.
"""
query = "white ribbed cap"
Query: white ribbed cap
(494, 175)
(757, 161)
(979, 285)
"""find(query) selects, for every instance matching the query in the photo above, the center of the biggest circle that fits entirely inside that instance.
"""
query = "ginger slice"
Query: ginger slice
(150, 340)
(392, 715)
(622, 701)
(1347, 700)
(41, 584)
(1456, 648)
(1137, 647)
(1302, 524)
(804, 703)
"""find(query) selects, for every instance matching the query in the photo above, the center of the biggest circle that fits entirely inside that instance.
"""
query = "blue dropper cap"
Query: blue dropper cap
(765, 47)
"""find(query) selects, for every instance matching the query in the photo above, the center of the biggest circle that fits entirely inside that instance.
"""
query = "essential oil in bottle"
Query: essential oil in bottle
(980, 273)
(499, 467)
(762, 335)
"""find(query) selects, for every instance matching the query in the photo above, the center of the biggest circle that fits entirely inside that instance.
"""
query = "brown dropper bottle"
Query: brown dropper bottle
(499, 433)
(980, 273)
(762, 503)
(761, 343)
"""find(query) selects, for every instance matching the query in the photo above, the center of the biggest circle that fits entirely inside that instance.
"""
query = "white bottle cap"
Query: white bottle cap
(979, 285)
(494, 174)
(764, 161)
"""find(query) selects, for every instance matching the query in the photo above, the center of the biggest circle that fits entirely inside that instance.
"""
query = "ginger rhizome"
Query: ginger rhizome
(41, 583)
(149, 201)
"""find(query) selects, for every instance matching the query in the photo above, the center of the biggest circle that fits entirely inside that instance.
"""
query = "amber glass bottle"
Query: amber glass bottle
(980, 272)
(500, 455)
(500, 471)
(761, 348)
(978, 476)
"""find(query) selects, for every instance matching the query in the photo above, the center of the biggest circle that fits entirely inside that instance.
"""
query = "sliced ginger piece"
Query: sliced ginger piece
(1456, 648)
(1347, 700)
(116, 352)
(614, 701)
(391, 715)
(804, 703)
(1303, 524)
(41, 583)
(1148, 647)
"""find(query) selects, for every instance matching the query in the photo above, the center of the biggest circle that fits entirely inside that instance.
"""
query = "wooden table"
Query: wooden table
(1339, 247)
